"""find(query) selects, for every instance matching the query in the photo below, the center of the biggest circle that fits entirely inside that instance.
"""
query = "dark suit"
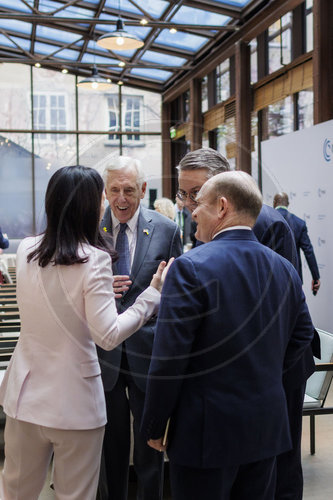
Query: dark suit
(232, 316)
(4, 243)
(158, 239)
(272, 230)
(184, 224)
(302, 241)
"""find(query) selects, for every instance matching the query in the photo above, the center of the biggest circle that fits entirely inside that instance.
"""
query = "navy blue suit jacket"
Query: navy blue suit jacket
(272, 230)
(158, 238)
(302, 241)
(232, 316)
(4, 243)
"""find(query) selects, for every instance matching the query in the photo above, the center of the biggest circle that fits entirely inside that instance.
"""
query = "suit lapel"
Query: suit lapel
(144, 235)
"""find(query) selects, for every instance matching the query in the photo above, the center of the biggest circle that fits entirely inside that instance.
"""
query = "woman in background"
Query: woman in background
(52, 392)
(165, 207)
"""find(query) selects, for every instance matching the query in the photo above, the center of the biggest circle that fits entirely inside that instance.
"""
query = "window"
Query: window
(50, 114)
(204, 94)
(309, 25)
(131, 116)
(226, 141)
(254, 60)
(305, 108)
(223, 81)
(281, 117)
(279, 43)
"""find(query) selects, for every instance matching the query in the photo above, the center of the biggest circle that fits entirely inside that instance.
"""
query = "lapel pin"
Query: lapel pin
(105, 230)
(146, 231)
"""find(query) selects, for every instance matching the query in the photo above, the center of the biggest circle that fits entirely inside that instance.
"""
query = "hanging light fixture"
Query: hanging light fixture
(120, 39)
(95, 81)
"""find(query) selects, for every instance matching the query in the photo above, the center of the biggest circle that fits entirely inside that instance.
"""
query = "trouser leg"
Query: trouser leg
(148, 463)
(255, 481)
(27, 457)
(201, 484)
(289, 479)
(116, 446)
(77, 456)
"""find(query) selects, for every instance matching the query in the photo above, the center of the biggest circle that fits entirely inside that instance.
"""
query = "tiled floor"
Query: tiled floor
(318, 469)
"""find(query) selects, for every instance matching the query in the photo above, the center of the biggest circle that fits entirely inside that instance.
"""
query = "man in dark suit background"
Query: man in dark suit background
(184, 220)
(302, 240)
(232, 319)
(273, 231)
(143, 238)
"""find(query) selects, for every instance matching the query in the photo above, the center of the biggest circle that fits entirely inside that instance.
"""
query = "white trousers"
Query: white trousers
(28, 452)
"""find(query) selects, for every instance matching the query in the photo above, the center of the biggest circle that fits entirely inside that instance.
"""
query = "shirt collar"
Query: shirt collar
(281, 206)
(131, 223)
(247, 228)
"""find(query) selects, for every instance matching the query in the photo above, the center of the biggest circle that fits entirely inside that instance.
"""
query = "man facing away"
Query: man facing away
(302, 240)
(232, 318)
(142, 238)
(272, 230)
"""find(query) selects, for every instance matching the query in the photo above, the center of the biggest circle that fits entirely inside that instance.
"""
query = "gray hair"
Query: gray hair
(238, 187)
(207, 158)
(120, 162)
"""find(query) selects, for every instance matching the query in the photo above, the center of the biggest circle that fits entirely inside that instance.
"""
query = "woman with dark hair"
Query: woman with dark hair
(52, 391)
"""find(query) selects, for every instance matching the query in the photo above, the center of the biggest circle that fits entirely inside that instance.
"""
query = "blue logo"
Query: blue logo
(327, 150)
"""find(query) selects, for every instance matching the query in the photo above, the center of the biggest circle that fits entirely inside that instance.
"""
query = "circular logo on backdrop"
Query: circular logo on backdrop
(327, 150)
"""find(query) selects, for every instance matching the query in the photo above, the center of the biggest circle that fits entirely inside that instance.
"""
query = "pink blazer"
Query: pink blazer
(54, 378)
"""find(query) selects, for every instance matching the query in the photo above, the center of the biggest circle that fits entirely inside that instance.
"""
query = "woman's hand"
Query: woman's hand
(159, 276)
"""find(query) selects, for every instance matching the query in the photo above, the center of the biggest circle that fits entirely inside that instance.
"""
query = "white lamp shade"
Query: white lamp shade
(120, 39)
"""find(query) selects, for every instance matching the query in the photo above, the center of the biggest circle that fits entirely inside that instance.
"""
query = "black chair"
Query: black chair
(318, 385)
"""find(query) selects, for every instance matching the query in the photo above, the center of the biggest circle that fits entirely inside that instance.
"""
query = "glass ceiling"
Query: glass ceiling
(63, 34)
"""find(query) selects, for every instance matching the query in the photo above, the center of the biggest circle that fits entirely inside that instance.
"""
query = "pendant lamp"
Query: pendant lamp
(95, 82)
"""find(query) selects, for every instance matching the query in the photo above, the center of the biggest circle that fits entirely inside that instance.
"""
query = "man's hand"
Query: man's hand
(157, 444)
(315, 286)
(121, 284)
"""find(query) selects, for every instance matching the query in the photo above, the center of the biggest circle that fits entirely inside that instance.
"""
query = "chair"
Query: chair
(318, 385)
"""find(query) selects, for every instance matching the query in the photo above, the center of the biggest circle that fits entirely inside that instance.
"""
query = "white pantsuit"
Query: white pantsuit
(53, 381)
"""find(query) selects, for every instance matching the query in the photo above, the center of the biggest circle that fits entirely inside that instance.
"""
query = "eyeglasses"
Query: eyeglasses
(182, 195)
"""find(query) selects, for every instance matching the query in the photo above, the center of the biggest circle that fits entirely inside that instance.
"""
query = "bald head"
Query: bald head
(240, 189)
(281, 200)
(226, 200)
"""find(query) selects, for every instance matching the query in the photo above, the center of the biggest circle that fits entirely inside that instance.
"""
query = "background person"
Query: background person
(151, 238)
(4, 242)
(52, 392)
(183, 218)
(302, 240)
(217, 362)
(165, 207)
(273, 231)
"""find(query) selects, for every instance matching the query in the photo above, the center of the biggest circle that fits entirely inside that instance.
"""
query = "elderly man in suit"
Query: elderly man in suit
(232, 319)
(272, 230)
(302, 240)
(142, 238)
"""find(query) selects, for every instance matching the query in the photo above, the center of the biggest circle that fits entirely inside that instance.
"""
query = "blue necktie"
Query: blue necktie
(123, 262)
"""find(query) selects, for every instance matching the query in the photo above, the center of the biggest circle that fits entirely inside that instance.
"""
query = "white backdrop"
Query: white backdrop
(301, 164)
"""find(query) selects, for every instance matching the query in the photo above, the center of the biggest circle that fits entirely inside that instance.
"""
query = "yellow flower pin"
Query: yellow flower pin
(105, 230)
(146, 231)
